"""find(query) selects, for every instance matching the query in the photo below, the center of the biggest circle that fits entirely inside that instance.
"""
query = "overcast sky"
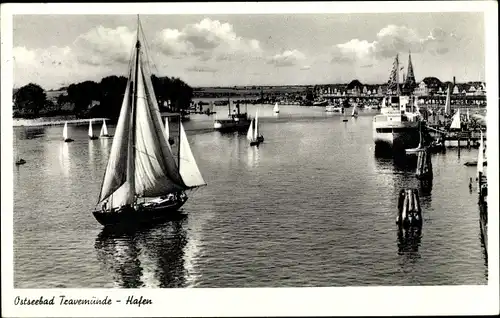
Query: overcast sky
(257, 49)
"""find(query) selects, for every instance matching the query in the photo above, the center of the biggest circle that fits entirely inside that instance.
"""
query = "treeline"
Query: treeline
(92, 99)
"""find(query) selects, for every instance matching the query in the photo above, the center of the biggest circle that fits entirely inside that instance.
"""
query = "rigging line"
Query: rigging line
(148, 51)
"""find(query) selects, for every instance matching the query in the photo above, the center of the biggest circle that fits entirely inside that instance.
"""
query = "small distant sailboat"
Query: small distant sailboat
(104, 130)
(276, 108)
(355, 111)
(455, 122)
(65, 133)
(253, 134)
(91, 132)
(167, 133)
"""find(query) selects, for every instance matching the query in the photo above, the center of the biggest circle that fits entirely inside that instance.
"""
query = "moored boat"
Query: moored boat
(397, 125)
(235, 122)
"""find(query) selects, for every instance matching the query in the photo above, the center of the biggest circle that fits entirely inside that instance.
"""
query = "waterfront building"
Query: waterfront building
(422, 89)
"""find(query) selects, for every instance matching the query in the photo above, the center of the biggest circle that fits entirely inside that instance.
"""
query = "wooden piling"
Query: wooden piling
(424, 165)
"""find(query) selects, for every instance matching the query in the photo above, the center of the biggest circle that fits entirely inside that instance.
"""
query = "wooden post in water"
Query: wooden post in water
(424, 165)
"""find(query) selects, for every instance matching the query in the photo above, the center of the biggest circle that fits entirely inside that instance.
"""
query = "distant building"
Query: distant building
(455, 90)
(472, 91)
(421, 90)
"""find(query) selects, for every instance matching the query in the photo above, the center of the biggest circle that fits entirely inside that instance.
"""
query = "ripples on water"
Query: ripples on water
(312, 206)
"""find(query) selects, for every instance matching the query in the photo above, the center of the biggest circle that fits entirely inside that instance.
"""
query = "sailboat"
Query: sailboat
(455, 122)
(253, 134)
(355, 111)
(143, 182)
(91, 131)
(104, 130)
(65, 133)
(167, 133)
(276, 108)
(19, 160)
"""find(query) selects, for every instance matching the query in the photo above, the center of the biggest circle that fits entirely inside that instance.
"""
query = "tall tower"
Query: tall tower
(410, 82)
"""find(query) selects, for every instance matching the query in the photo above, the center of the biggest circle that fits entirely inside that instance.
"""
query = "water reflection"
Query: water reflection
(24, 132)
(408, 243)
(425, 187)
(148, 258)
(91, 153)
(64, 158)
(253, 156)
(105, 145)
(396, 164)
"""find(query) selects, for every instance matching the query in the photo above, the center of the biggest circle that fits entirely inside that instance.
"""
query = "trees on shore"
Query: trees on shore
(91, 99)
(30, 99)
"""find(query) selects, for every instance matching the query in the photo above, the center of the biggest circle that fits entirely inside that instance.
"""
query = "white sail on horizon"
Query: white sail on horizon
(355, 110)
(250, 133)
(91, 132)
(276, 108)
(104, 128)
(65, 131)
(256, 129)
(455, 123)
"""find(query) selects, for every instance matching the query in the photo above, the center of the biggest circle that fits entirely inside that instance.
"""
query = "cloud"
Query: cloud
(287, 58)
(104, 46)
(305, 67)
(391, 40)
(208, 39)
(201, 69)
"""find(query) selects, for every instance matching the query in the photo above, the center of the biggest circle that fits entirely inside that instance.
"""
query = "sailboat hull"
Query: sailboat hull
(140, 215)
(68, 140)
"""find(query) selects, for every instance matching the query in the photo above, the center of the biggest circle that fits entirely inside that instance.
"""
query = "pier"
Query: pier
(58, 122)
(469, 137)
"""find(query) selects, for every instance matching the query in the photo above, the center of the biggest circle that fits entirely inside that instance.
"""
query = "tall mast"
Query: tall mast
(179, 144)
(397, 74)
(134, 105)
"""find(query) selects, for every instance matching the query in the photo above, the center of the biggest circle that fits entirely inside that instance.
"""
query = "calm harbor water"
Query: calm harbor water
(312, 206)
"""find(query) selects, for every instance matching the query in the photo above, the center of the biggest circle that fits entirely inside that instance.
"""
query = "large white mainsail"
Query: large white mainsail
(455, 123)
(155, 167)
(141, 162)
(104, 129)
(188, 168)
